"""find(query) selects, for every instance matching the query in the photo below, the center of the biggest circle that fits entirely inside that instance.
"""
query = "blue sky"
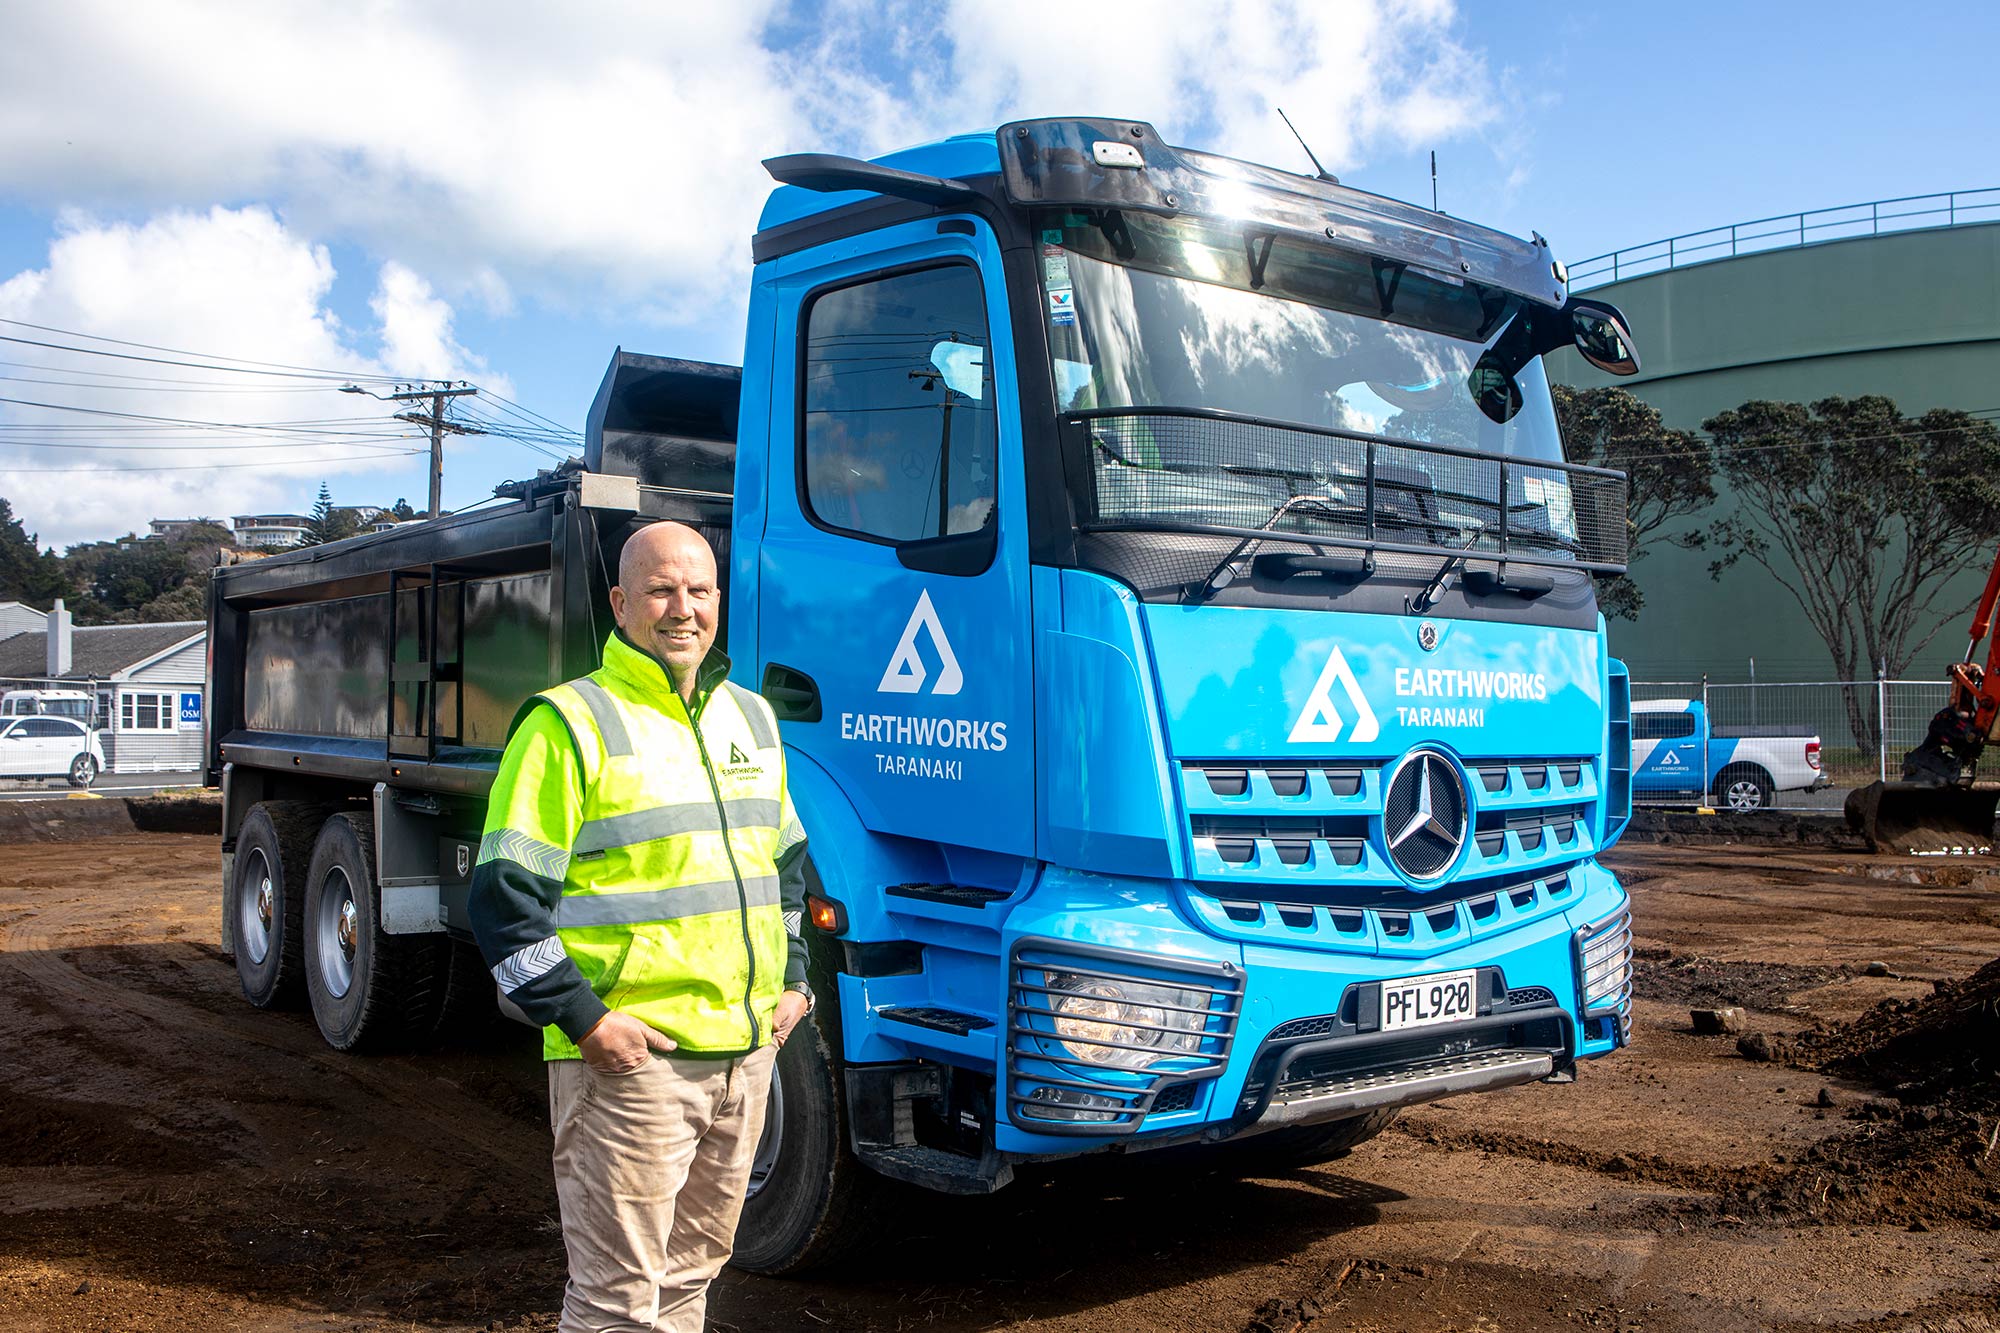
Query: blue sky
(507, 199)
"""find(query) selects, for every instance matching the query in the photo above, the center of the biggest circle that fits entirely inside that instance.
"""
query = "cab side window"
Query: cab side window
(899, 436)
(1662, 726)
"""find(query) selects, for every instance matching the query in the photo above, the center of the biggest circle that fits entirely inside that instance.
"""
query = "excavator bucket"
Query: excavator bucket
(1918, 819)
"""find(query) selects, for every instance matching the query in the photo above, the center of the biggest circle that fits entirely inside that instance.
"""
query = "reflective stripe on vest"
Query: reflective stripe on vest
(670, 896)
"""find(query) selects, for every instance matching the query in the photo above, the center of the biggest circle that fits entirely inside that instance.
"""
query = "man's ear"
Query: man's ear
(618, 605)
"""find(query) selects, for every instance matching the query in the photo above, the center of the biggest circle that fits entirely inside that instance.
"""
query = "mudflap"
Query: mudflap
(1917, 819)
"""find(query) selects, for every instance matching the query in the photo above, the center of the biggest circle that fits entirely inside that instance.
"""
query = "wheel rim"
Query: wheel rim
(771, 1142)
(256, 904)
(337, 937)
(1743, 795)
(84, 769)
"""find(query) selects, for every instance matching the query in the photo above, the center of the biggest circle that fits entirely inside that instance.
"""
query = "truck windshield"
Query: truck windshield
(1149, 312)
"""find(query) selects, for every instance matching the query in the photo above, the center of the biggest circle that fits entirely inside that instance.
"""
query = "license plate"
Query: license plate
(1442, 997)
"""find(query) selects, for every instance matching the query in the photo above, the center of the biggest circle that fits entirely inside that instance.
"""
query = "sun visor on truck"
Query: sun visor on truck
(1124, 164)
(667, 422)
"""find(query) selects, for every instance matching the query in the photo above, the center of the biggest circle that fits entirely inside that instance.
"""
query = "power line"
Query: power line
(191, 467)
(265, 366)
(357, 441)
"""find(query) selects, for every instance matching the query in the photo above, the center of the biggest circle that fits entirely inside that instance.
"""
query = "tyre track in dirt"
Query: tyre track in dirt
(463, 1126)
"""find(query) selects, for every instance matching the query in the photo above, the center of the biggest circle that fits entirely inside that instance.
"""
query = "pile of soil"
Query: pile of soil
(1940, 1048)
(1929, 1153)
(1709, 983)
(81, 816)
(1764, 828)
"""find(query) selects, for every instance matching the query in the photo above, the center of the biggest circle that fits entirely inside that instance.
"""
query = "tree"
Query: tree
(27, 574)
(401, 509)
(1671, 475)
(146, 578)
(328, 523)
(1865, 517)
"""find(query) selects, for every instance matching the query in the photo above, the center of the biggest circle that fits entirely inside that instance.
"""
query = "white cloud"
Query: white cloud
(607, 155)
(235, 283)
(600, 159)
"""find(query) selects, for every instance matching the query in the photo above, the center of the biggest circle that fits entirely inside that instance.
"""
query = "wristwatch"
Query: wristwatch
(801, 988)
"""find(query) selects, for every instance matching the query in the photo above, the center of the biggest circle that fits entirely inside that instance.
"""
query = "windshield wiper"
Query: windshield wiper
(1427, 596)
(1216, 579)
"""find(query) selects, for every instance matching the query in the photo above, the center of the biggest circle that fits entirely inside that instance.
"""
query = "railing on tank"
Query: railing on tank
(1915, 212)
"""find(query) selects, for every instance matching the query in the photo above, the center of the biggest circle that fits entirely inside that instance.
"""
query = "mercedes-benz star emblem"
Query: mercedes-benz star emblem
(1423, 815)
(1427, 635)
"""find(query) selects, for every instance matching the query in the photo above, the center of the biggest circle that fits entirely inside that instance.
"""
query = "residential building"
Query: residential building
(149, 681)
(269, 531)
(20, 618)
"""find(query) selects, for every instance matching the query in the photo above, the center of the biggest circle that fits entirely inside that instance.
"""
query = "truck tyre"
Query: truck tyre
(265, 900)
(1304, 1145)
(809, 1199)
(1743, 788)
(82, 771)
(368, 989)
(467, 999)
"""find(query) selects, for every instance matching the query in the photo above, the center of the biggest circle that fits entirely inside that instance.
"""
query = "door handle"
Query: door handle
(792, 694)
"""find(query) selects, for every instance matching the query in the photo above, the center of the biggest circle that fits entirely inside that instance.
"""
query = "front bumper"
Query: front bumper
(1296, 1037)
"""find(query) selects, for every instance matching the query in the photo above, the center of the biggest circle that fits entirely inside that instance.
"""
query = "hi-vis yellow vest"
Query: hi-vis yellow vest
(670, 904)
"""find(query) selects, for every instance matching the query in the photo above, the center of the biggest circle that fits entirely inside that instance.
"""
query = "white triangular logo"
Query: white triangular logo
(1671, 759)
(1321, 721)
(906, 673)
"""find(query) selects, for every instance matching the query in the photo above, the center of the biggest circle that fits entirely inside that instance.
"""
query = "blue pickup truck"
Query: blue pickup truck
(1677, 755)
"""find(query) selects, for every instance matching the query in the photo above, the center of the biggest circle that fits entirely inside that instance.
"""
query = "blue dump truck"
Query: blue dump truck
(1180, 618)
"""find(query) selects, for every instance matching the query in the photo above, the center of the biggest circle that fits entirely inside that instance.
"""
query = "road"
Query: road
(173, 1160)
(107, 784)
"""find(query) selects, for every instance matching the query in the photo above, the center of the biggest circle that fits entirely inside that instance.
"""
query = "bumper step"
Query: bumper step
(1342, 1094)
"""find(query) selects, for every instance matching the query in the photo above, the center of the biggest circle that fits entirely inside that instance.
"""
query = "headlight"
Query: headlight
(1125, 1024)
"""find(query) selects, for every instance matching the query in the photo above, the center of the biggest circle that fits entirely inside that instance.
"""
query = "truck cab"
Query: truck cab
(1179, 616)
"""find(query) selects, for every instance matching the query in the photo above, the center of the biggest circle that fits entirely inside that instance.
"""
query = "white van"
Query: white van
(76, 705)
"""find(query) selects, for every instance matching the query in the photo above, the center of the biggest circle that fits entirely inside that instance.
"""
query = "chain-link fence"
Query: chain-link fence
(1759, 745)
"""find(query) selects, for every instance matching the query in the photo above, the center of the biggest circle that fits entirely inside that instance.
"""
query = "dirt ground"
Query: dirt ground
(171, 1159)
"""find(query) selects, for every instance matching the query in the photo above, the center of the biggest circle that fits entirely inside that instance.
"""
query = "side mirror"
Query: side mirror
(1601, 335)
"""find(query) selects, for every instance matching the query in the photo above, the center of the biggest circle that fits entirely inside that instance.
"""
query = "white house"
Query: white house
(269, 530)
(149, 681)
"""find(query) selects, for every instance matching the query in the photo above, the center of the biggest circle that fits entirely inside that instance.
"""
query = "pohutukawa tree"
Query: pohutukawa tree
(1865, 516)
(1671, 474)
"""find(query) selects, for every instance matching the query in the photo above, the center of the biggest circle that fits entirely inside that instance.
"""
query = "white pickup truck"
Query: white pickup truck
(1674, 753)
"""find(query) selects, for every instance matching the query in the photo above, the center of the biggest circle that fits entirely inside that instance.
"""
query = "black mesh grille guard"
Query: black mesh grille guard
(1200, 471)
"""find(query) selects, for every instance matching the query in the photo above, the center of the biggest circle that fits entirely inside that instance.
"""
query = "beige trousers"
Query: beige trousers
(650, 1171)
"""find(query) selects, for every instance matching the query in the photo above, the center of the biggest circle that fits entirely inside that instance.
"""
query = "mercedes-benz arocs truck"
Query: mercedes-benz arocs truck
(1179, 614)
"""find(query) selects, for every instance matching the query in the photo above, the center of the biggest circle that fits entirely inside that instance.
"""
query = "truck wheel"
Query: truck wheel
(265, 900)
(1304, 1145)
(809, 1198)
(368, 989)
(1743, 788)
(82, 771)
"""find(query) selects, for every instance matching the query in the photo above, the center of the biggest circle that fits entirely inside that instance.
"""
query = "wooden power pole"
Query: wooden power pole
(438, 427)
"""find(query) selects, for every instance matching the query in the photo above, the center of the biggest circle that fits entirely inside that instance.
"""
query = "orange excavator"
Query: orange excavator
(1939, 807)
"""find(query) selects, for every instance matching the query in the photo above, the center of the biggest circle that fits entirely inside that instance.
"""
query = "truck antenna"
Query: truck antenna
(1434, 180)
(1322, 172)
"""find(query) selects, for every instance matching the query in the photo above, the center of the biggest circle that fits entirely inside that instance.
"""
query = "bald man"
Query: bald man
(639, 893)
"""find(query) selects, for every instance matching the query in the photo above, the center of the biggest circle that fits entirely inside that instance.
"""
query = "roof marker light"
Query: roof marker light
(1112, 153)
